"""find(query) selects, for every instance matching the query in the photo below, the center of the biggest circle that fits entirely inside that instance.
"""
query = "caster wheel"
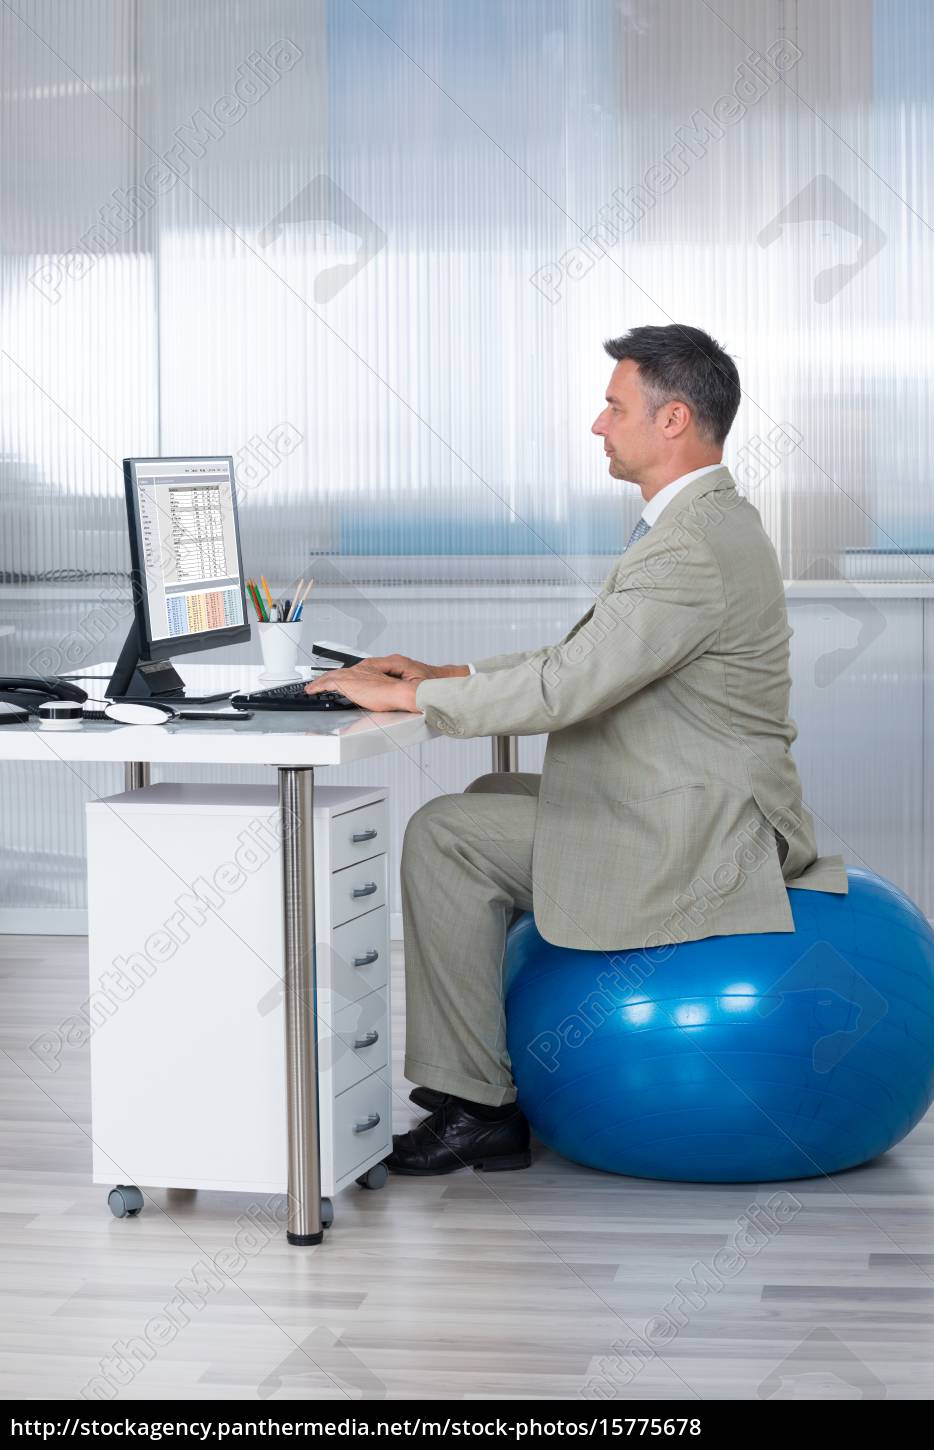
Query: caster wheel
(374, 1177)
(124, 1201)
(327, 1213)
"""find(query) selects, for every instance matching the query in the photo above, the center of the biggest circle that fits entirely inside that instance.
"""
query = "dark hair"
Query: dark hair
(683, 362)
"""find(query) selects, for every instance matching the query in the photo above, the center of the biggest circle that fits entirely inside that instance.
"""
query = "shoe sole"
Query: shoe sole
(488, 1165)
(496, 1165)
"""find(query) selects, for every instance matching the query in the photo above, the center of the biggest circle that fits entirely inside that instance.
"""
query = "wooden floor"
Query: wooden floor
(555, 1282)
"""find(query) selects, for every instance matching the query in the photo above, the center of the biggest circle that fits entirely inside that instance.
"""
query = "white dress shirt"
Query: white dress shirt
(664, 496)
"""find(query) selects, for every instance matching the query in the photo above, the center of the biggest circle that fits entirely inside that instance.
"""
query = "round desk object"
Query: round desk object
(60, 715)
(132, 712)
(12, 714)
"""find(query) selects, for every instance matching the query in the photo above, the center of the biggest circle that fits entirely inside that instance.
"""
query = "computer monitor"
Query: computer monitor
(187, 574)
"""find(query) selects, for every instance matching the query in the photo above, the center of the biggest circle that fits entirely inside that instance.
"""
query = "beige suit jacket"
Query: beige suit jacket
(670, 807)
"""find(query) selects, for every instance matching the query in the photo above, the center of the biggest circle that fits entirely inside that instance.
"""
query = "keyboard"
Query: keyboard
(292, 697)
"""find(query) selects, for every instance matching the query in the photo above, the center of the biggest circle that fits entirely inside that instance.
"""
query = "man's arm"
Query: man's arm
(390, 682)
(660, 616)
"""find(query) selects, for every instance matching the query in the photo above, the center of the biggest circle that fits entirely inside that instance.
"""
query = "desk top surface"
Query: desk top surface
(328, 737)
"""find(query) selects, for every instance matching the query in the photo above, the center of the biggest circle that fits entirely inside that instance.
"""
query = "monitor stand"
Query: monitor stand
(137, 678)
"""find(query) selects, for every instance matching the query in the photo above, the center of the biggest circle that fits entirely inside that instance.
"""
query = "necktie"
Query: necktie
(638, 533)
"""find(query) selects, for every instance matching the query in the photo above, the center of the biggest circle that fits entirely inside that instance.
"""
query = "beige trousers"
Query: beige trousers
(466, 873)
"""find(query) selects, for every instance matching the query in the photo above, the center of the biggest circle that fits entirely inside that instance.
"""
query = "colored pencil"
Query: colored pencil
(260, 606)
(311, 583)
(296, 598)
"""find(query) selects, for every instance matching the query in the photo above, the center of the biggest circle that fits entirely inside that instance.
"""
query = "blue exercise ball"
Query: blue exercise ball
(737, 1058)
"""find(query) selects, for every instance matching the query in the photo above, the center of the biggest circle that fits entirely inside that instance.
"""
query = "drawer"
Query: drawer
(364, 1022)
(362, 1124)
(356, 960)
(357, 889)
(355, 835)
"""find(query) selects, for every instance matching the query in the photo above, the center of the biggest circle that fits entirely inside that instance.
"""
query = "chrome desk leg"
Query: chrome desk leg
(296, 824)
(505, 753)
(137, 774)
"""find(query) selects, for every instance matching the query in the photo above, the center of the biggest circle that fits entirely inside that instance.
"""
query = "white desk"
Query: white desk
(293, 745)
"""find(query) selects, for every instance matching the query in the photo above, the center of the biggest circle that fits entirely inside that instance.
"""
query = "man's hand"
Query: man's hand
(371, 688)
(401, 667)
(385, 682)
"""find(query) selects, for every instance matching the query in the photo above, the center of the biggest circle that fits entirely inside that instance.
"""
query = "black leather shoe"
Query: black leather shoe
(429, 1098)
(452, 1138)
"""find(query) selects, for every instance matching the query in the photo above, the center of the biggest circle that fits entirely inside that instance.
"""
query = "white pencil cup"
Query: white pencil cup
(280, 646)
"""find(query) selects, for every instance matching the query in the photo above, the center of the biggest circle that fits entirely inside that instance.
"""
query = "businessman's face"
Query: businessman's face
(630, 436)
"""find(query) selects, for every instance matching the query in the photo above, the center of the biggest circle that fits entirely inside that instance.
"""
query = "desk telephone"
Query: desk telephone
(31, 691)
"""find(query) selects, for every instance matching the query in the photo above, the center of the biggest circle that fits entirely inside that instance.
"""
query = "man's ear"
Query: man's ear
(678, 417)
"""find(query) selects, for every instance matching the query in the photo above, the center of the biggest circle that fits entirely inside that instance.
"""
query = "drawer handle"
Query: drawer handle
(367, 958)
(371, 1122)
(369, 835)
(369, 1040)
(366, 890)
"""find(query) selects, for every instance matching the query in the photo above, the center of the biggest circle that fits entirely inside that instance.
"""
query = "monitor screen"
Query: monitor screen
(187, 546)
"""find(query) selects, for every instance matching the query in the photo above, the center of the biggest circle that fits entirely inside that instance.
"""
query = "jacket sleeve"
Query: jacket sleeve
(501, 662)
(662, 613)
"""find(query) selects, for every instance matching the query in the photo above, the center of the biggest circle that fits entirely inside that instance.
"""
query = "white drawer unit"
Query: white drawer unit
(186, 964)
(359, 833)
(358, 1043)
(358, 888)
(357, 955)
(362, 1124)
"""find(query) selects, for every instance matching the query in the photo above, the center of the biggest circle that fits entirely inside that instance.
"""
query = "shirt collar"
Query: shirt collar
(664, 496)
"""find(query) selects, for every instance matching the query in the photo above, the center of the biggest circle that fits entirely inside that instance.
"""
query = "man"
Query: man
(669, 807)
